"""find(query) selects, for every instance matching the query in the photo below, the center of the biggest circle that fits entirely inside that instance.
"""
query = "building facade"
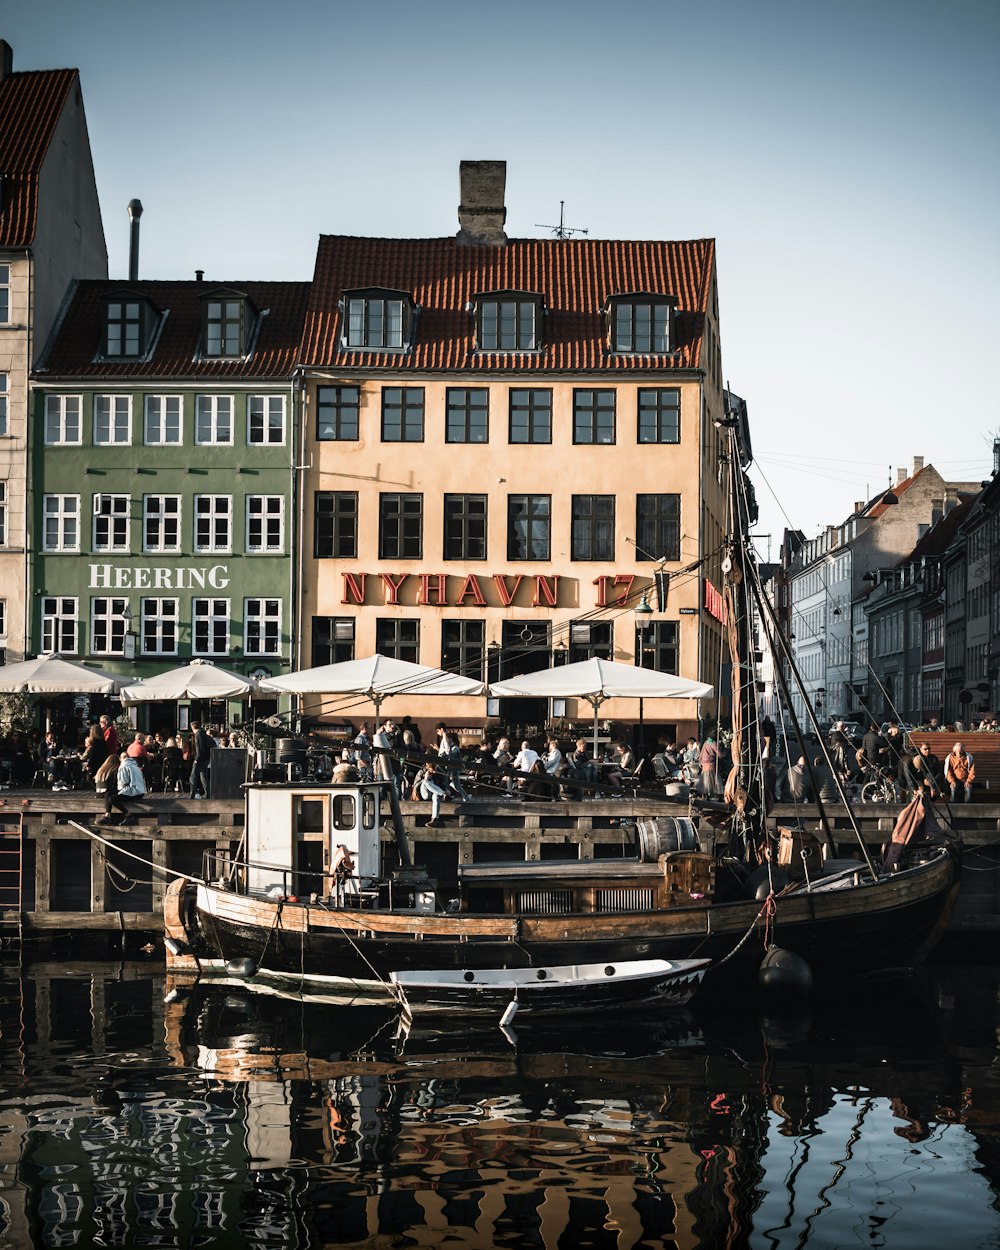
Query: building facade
(504, 441)
(163, 520)
(50, 233)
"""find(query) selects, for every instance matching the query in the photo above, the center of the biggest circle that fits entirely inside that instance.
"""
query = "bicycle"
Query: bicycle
(881, 788)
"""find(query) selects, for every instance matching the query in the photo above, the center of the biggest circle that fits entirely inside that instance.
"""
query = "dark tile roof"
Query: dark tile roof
(575, 277)
(79, 335)
(30, 106)
(939, 538)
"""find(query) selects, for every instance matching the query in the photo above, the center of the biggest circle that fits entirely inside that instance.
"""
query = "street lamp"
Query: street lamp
(130, 634)
(642, 613)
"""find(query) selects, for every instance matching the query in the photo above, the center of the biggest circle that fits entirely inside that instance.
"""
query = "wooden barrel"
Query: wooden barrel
(660, 835)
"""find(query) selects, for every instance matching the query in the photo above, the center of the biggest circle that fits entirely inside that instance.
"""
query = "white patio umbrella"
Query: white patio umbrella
(375, 677)
(596, 680)
(198, 680)
(51, 674)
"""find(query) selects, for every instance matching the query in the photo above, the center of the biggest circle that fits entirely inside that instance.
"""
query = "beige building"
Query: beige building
(503, 442)
(50, 233)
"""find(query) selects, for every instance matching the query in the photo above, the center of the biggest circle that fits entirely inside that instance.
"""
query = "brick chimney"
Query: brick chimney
(6, 60)
(901, 476)
(918, 464)
(481, 211)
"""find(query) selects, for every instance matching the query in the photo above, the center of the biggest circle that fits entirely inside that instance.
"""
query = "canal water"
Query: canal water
(224, 1117)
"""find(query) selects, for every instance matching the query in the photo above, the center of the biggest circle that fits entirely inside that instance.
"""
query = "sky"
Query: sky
(844, 156)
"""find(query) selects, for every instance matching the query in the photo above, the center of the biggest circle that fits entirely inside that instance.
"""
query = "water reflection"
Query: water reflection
(225, 1117)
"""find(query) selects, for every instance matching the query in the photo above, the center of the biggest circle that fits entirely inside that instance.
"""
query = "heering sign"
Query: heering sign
(142, 577)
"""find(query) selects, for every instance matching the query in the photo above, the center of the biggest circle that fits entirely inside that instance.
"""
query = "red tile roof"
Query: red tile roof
(575, 277)
(30, 107)
(878, 505)
(79, 335)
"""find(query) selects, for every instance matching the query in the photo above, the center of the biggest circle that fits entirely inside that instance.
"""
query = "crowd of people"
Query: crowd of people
(75, 755)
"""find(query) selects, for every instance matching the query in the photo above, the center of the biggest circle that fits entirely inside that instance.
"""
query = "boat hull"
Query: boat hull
(839, 932)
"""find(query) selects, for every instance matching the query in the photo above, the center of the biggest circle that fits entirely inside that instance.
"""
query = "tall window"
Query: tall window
(529, 523)
(4, 294)
(162, 425)
(593, 536)
(61, 522)
(531, 416)
(262, 626)
(213, 419)
(3, 514)
(463, 646)
(335, 525)
(3, 631)
(159, 626)
(398, 639)
(112, 420)
(265, 523)
(508, 324)
(591, 640)
(107, 626)
(211, 626)
(468, 416)
(224, 327)
(59, 626)
(374, 321)
(400, 527)
(63, 420)
(593, 416)
(641, 325)
(403, 414)
(4, 395)
(161, 523)
(124, 328)
(658, 527)
(465, 527)
(213, 523)
(656, 646)
(266, 420)
(659, 416)
(332, 639)
(337, 409)
(111, 522)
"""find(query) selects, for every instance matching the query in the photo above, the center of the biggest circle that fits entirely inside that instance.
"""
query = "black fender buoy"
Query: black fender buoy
(763, 880)
(244, 968)
(784, 973)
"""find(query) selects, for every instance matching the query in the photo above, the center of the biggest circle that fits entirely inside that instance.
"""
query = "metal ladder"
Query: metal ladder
(11, 875)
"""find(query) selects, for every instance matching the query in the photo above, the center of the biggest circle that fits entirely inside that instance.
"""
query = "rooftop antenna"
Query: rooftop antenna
(562, 231)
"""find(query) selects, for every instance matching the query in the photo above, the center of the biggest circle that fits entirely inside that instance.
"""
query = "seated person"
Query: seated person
(172, 772)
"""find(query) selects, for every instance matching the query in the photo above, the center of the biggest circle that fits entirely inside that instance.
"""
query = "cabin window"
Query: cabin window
(369, 810)
(343, 812)
(310, 816)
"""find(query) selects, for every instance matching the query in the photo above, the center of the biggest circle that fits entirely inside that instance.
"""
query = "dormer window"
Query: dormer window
(228, 322)
(641, 323)
(508, 321)
(128, 326)
(377, 319)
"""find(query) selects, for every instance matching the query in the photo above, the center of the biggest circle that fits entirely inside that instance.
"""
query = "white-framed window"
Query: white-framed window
(213, 522)
(63, 420)
(262, 626)
(4, 397)
(3, 514)
(266, 420)
(210, 626)
(112, 514)
(265, 523)
(3, 624)
(59, 620)
(163, 421)
(213, 420)
(4, 294)
(61, 522)
(159, 619)
(107, 626)
(112, 420)
(161, 523)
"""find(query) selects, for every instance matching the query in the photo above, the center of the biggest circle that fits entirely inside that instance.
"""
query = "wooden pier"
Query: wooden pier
(56, 880)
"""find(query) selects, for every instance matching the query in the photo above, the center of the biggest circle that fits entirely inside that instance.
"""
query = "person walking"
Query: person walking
(960, 772)
(201, 758)
(709, 760)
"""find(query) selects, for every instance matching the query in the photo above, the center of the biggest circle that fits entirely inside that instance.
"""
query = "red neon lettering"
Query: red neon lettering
(546, 588)
(432, 588)
(506, 596)
(470, 587)
(626, 580)
(602, 591)
(392, 587)
(354, 588)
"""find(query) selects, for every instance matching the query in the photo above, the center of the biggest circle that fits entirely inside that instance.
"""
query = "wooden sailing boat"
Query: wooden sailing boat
(286, 908)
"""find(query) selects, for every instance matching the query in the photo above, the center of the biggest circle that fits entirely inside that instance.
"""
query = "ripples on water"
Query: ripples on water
(227, 1118)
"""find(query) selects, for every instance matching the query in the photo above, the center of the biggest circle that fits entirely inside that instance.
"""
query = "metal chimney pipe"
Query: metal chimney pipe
(134, 213)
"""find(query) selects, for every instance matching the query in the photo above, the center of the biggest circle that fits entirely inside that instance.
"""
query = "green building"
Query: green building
(162, 473)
